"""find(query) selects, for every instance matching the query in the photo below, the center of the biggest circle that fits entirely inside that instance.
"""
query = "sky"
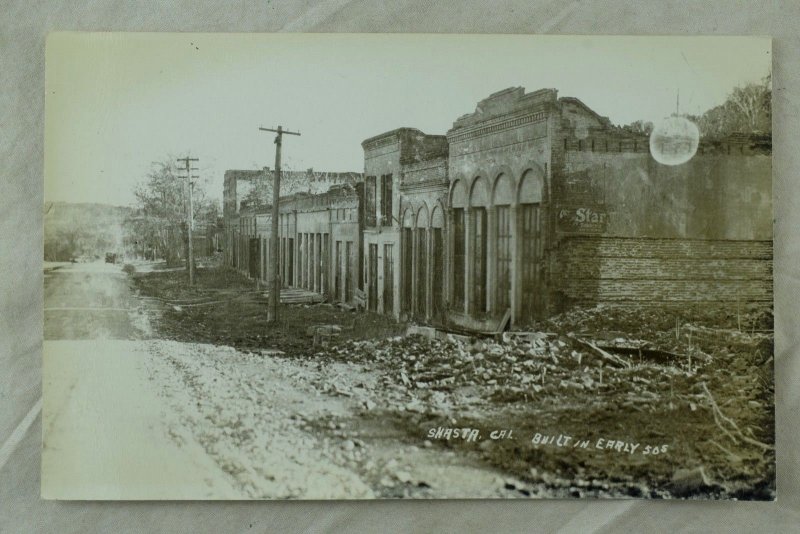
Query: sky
(118, 102)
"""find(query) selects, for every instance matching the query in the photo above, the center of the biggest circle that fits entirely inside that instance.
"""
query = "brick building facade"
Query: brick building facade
(405, 174)
(319, 233)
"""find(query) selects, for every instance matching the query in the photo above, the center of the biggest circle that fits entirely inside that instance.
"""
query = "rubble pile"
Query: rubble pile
(698, 379)
(534, 367)
(667, 378)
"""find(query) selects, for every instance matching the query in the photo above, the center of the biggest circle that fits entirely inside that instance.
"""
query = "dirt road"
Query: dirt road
(127, 416)
(102, 423)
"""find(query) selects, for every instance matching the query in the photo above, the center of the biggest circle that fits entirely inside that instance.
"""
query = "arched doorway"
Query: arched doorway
(503, 198)
(437, 263)
(478, 202)
(531, 224)
(421, 263)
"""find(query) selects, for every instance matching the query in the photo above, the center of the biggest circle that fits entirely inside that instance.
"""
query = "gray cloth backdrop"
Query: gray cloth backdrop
(23, 28)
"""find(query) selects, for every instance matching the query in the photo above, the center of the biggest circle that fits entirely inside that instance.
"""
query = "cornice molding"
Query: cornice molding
(495, 125)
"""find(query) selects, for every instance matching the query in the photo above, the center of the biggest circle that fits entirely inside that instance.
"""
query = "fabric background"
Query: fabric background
(23, 28)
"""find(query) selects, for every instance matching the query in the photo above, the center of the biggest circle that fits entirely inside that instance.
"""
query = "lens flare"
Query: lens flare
(674, 141)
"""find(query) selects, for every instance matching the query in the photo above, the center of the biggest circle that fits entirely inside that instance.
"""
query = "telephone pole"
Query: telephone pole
(275, 291)
(190, 215)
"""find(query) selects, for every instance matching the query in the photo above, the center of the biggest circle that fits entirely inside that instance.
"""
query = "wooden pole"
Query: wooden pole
(190, 216)
(274, 264)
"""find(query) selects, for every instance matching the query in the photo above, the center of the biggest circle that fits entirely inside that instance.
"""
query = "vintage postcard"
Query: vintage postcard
(318, 266)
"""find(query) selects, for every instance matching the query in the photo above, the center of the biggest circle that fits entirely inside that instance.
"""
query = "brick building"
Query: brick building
(500, 161)
(528, 205)
(319, 232)
(534, 203)
(405, 179)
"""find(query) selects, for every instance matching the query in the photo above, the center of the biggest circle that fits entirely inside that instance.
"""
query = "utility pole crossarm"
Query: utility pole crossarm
(278, 131)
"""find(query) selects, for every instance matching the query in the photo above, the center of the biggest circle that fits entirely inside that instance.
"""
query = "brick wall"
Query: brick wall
(591, 270)
(433, 170)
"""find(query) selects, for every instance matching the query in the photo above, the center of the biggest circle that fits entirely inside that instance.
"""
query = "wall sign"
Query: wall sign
(582, 219)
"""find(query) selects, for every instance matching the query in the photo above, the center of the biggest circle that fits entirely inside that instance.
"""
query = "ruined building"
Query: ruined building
(527, 206)
(320, 210)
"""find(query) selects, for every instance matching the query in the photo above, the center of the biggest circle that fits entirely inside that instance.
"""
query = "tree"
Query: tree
(160, 220)
(638, 127)
(64, 243)
(260, 193)
(748, 109)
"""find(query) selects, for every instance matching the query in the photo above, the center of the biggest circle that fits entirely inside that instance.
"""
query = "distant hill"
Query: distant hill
(73, 230)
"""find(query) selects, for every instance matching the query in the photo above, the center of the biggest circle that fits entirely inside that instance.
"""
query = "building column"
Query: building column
(491, 258)
(446, 260)
(301, 242)
(314, 262)
(296, 262)
(396, 270)
(285, 252)
(449, 268)
(309, 262)
(516, 262)
(380, 281)
(285, 259)
(312, 258)
(328, 257)
(239, 255)
(414, 244)
(429, 276)
(262, 249)
(468, 263)
(319, 263)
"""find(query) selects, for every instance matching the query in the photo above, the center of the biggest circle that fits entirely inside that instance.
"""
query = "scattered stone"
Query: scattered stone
(423, 331)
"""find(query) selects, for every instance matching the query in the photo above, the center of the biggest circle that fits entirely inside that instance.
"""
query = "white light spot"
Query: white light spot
(674, 141)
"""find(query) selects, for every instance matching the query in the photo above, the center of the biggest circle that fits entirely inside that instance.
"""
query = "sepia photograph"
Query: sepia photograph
(407, 266)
